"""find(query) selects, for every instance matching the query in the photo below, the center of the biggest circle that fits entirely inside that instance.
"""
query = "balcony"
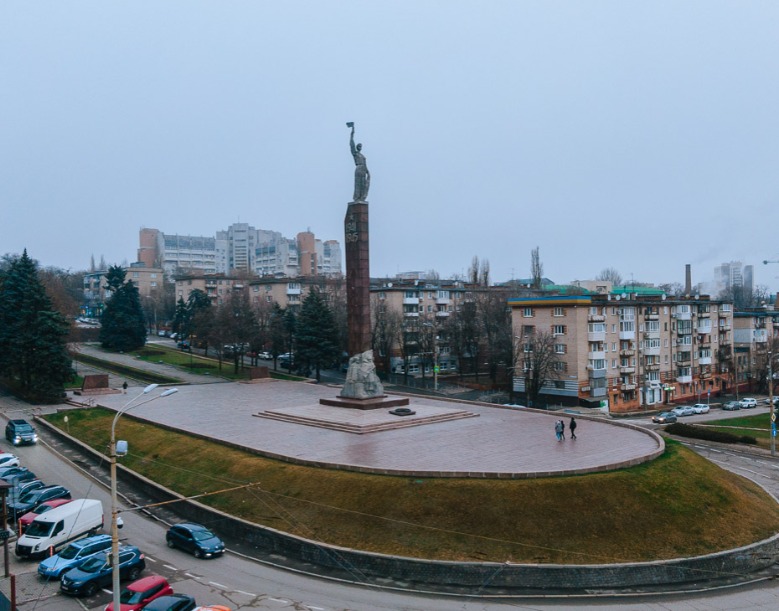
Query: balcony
(411, 301)
(627, 352)
(596, 355)
(597, 392)
(652, 351)
(596, 374)
(596, 336)
(725, 327)
(682, 315)
(442, 314)
(443, 301)
(684, 331)
(627, 369)
(651, 334)
(411, 314)
(684, 379)
(704, 360)
(705, 375)
(627, 387)
(704, 314)
(652, 316)
(627, 335)
(704, 329)
(596, 318)
(652, 367)
(683, 360)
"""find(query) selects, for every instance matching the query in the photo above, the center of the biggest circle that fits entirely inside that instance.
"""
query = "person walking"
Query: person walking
(124, 388)
(558, 429)
(562, 429)
(572, 427)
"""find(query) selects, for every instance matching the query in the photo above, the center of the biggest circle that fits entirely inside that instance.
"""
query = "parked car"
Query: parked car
(8, 460)
(700, 408)
(74, 554)
(11, 471)
(748, 403)
(19, 487)
(20, 432)
(43, 507)
(32, 498)
(683, 410)
(732, 406)
(775, 400)
(173, 602)
(265, 355)
(95, 572)
(664, 418)
(195, 539)
(140, 593)
(185, 345)
(56, 528)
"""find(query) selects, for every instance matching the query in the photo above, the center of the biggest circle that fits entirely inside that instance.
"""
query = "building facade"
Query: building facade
(628, 351)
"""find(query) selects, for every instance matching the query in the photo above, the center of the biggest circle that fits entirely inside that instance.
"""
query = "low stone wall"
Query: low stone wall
(465, 577)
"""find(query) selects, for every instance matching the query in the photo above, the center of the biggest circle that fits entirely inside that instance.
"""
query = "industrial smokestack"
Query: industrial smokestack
(687, 279)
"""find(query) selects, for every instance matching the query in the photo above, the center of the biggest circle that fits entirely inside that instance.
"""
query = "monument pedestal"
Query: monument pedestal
(363, 389)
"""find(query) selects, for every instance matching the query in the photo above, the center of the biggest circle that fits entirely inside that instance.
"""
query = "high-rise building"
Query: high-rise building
(733, 275)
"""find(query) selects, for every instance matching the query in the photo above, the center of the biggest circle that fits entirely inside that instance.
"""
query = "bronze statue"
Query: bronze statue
(362, 177)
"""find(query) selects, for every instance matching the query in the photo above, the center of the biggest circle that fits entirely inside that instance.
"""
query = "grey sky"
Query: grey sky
(639, 135)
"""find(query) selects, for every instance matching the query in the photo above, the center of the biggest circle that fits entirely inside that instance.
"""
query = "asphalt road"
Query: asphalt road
(242, 583)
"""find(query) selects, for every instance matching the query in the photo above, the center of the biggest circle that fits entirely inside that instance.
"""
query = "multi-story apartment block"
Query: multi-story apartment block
(240, 249)
(630, 349)
(733, 275)
(756, 336)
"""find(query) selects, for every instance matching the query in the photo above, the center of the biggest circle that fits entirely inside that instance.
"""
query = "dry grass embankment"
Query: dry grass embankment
(677, 505)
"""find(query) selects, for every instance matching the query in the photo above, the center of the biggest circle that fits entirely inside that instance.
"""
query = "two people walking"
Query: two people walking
(559, 429)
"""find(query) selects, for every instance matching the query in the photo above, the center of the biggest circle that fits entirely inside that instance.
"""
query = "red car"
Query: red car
(139, 593)
(28, 517)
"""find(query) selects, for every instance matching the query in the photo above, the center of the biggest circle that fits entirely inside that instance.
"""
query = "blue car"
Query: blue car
(195, 539)
(73, 555)
(95, 572)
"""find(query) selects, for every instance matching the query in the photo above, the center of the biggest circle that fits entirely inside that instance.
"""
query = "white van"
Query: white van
(51, 531)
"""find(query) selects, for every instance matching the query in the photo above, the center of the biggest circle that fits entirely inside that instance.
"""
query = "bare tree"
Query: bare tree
(495, 319)
(386, 331)
(536, 268)
(538, 362)
(610, 274)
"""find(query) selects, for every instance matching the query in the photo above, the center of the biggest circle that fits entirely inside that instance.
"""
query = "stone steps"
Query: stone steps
(397, 422)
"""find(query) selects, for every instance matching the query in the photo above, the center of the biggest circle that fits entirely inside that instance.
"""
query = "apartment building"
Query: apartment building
(630, 349)
(755, 336)
(240, 249)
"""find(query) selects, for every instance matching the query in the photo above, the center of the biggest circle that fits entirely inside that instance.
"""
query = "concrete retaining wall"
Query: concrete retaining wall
(472, 577)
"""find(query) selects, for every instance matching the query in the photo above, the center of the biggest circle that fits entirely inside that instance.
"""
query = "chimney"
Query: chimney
(687, 279)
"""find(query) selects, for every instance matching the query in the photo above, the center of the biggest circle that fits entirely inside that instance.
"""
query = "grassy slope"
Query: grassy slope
(678, 505)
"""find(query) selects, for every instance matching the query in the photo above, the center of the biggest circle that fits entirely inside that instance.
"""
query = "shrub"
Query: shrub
(707, 434)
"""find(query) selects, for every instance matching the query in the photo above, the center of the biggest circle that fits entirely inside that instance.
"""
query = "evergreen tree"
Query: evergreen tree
(123, 327)
(278, 335)
(316, 334)
(33, 349)
(181, 320)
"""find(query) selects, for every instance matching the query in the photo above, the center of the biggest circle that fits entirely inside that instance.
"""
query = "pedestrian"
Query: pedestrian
(124, 388)
(558, 429)
(562, 429)
(572, 427)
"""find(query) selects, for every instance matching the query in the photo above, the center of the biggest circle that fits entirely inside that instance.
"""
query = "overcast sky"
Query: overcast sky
(638, 135)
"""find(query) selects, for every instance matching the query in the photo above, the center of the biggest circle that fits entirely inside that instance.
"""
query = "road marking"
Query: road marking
(314, 608)
(170, 566)
(279, 600)
(190, 575)
(245, 593)
(151, 559)
(217, 585)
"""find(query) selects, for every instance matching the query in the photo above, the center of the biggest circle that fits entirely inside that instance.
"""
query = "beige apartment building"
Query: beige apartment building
(756, 337)
(630, 350)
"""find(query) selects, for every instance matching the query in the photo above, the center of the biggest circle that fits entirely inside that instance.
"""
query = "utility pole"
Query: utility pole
(771, 402)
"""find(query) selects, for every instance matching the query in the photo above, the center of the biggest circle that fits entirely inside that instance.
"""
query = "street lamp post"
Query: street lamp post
(771, 407)
(114, 505)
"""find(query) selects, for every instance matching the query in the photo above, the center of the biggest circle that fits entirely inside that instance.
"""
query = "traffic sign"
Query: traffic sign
(4, 534)
(773, 418)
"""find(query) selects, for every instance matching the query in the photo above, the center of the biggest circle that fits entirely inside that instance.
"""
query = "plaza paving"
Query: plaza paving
(494, 442)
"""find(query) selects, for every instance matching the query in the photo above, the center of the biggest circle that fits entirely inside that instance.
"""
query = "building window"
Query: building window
(560, 349)
(527, 312)
(558, 329)
(558, 312)
(528, 329)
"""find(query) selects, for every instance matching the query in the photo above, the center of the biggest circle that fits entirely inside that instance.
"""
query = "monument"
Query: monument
(363, 389)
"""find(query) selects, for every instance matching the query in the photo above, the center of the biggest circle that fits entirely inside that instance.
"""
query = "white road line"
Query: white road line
(217, 585)
(314, 608)
(150, 559)
(279, 600)
(170, 566)
(245, 593)
(190, 575)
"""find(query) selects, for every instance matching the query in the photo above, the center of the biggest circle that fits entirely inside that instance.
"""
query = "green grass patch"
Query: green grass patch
(124, 370)
(677, 505)
(757, 426)
(708, 433)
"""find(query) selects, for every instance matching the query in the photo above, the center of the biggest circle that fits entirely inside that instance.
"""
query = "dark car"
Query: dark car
(17, 476)
(195, 539)
(32, 498)
(95, 572)
(20, 432)
(19, 487)
(174, 602)
(664, 418)
(732, 406)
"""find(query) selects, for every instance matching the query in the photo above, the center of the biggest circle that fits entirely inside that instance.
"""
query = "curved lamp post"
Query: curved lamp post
(114, 509)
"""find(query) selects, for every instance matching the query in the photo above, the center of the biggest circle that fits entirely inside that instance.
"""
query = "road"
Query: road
(242, 583)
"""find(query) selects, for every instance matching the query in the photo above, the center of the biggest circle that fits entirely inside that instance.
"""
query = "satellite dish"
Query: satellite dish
(663, 296)
(624, 295)
(389, 285)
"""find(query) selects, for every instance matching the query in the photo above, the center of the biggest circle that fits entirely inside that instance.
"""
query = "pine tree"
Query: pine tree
(316, 335)
(123, 327)
(33, 349)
